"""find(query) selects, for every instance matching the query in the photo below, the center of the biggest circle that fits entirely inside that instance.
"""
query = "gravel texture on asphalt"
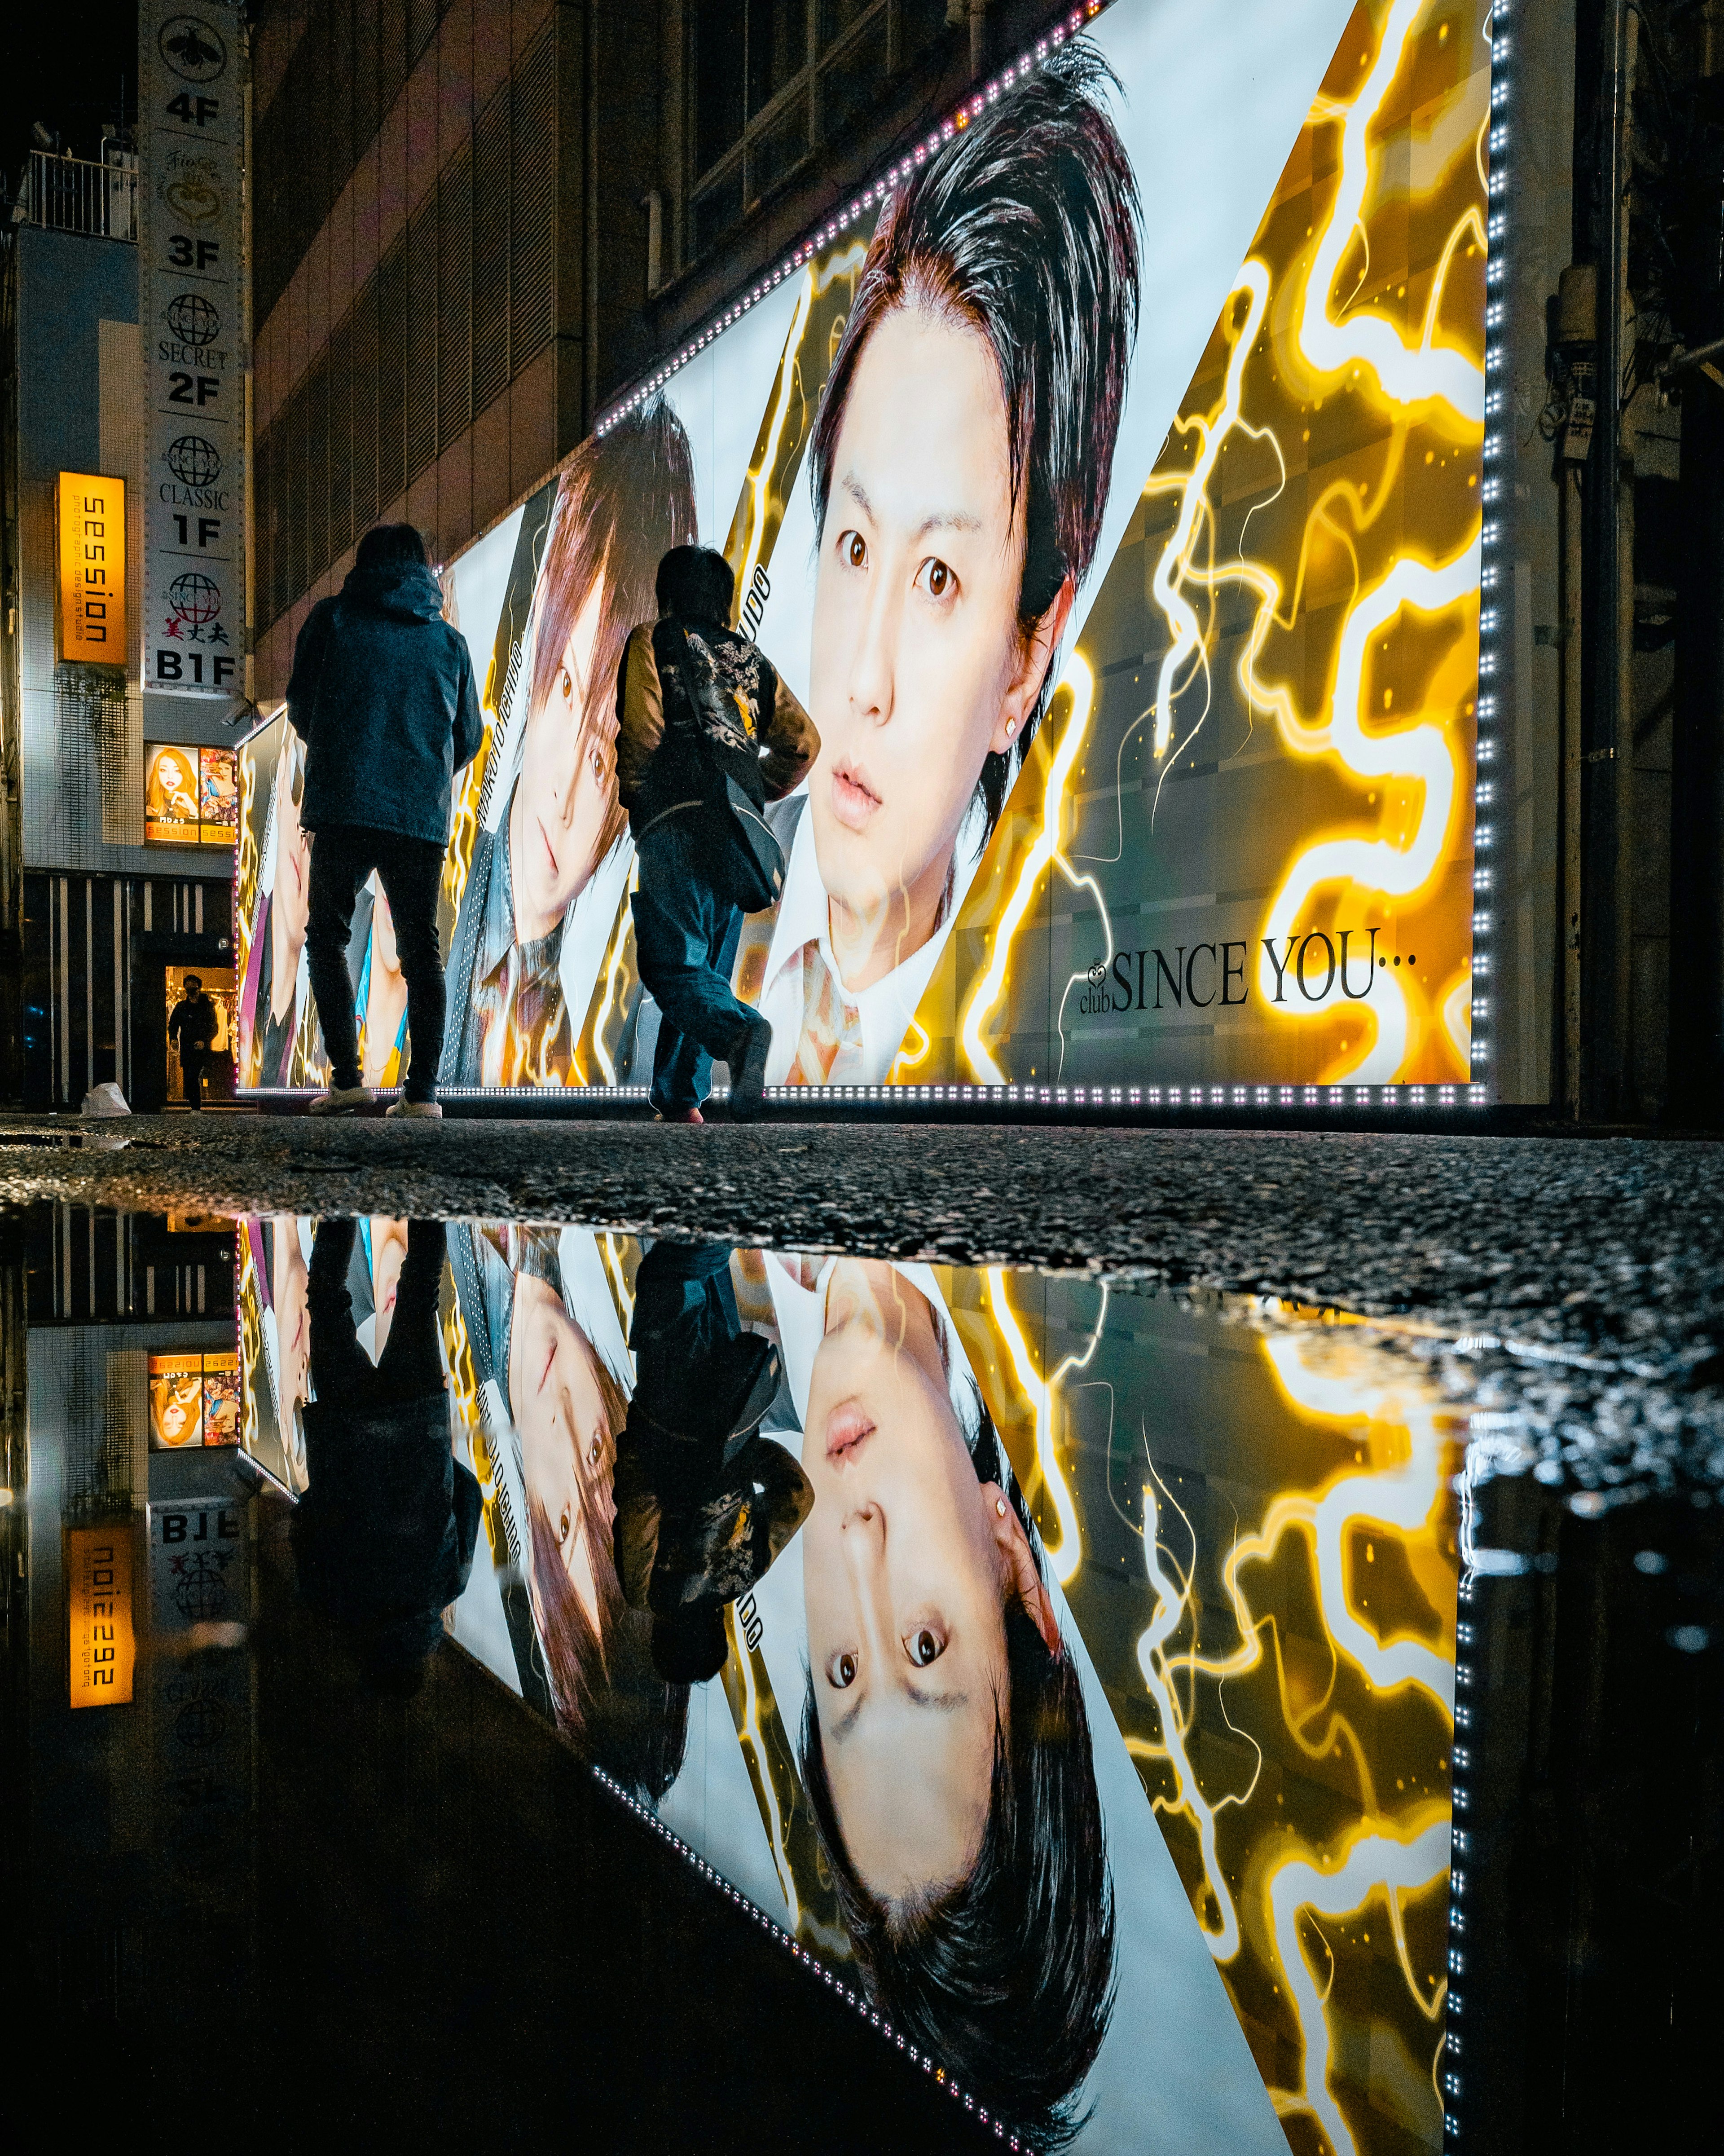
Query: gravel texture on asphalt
(1572, 1290)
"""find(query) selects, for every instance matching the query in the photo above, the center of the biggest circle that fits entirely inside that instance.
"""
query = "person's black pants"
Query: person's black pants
(410, 1366)
(410, 870)
(686, 939)
(191, 1062)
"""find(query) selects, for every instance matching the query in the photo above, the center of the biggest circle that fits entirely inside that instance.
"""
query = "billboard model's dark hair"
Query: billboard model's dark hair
(1027, 229)
(624, 498)
(1006, 1976)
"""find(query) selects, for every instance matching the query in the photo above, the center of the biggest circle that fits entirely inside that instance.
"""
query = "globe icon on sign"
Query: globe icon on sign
(201, 1722)
(191, 319)
(193, 461)
(200, 1593)
(195, 598)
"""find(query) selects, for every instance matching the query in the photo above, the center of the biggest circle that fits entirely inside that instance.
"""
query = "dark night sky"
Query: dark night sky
(69, 66)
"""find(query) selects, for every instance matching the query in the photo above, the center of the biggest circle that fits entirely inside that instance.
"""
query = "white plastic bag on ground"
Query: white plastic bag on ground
(105, 1100)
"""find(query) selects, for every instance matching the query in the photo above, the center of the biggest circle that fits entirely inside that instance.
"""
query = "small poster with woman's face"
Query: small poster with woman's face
(221, 1399)
(176, 1402)
(218, 796)
(171, 811)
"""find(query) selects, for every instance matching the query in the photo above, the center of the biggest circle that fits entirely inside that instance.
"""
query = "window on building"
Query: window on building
(773, 80)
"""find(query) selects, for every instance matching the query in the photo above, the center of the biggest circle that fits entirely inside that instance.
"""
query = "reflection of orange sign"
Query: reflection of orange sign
(92, 591)
(104, 1645)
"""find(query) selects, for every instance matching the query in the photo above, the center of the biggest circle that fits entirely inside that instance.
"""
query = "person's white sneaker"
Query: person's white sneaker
(341, 1100)
(405, 1107)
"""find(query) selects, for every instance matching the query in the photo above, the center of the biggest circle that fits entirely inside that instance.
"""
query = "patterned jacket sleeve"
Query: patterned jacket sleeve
(640, 713)
(792, 743)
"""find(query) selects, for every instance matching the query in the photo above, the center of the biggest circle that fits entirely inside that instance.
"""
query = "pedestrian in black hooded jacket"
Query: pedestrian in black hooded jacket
(383, 695)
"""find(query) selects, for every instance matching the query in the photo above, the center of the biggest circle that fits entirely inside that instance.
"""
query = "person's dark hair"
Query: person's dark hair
(1007, 1975)
(697, 584)
(625, 496)
(385, 544)
(192, 981)
(608, 1697)
(1026, 228)
(607, 1692)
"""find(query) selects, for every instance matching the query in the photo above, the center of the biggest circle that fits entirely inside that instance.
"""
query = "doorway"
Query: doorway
(219, 1066)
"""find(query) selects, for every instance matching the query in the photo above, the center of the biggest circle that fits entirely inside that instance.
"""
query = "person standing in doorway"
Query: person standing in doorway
(191, 1028)
(383, 695)
(693, 697)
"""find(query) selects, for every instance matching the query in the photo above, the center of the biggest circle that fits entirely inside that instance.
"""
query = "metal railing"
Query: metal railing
(73, 194)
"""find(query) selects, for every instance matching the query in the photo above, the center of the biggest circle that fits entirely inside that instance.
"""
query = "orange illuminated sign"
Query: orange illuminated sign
(92, 587)
(103, 1642)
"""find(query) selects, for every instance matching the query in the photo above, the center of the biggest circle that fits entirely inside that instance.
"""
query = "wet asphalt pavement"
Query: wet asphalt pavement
(1572, 1287)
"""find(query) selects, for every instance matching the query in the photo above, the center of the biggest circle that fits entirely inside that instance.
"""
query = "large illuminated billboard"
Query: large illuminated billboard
(1108, 481)
(1086, 1708)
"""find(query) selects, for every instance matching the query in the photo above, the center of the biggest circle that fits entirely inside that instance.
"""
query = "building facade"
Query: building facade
(100, 920)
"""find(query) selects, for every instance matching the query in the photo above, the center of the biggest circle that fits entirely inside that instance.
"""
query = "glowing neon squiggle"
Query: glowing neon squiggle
(991, 988)
(1172, 1605)
(1414, 375)
(1175, 563)
(1040, 1392)
(1370, 1863)
(1418, 752)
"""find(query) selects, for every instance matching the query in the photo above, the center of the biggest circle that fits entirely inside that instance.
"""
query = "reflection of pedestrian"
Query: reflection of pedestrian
(191, 1028)
(382, 694)
(697, 702)
(704, 1502)
(385, 1535)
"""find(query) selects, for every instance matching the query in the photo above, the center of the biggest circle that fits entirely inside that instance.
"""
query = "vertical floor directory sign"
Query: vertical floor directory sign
(192, 126)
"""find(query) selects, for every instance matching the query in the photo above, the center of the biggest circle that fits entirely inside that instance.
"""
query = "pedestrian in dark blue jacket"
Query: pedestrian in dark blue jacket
(382, 694)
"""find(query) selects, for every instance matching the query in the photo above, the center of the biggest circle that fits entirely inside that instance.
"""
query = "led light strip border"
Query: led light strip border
(1495, 611)
(835, 1984)
(871, 197)
(1298, 1099)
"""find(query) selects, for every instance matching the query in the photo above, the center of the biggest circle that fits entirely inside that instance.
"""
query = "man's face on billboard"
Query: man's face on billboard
(917, 669)
(292, 902)
(905, 1574)
(567, 1446)
(568, 785)
(288, 1282)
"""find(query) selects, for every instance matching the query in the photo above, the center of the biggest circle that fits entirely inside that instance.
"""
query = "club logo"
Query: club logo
(192, 48)
(192, 320)
(193, 461)
(192, 194)
(1098, 972)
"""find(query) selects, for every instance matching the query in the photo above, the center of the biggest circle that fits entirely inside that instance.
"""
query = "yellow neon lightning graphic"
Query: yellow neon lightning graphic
(1419, 753)
(1373, 1863)
(1046, 849)
(760, 472)
(615, 976)
(1189, 641)
(1042, 1392)
(1407, 375)
(1289, 333)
